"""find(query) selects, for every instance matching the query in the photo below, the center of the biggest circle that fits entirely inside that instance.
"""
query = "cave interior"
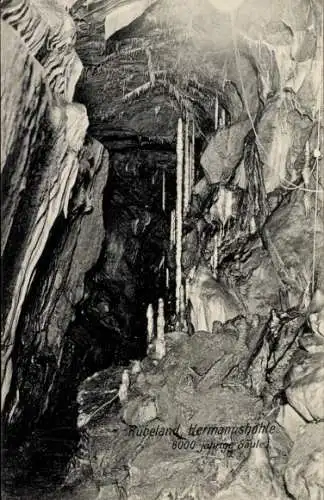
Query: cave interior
(104, 243)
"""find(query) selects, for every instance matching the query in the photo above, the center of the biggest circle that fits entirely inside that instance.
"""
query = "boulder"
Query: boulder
(305, 392)
(210, 301)
(290, 420)
(139, 411)
(304, 476)
(224, 151)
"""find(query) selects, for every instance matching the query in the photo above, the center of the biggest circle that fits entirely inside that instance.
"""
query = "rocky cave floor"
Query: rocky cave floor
(150, 447)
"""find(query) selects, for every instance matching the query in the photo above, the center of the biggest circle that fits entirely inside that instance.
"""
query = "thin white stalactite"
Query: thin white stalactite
(190, 171)
(179, 216)
(182, 306)
(223, 118)
(163, 190)
(186, 171)
(214, 259)
(216, 113)
(167, 278)
(172, 229)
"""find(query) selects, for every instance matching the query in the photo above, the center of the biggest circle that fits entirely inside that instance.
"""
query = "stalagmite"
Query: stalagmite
(186, 187)
(150, 324)
(160, 320)
(179, 215)
(159, 350)
(136, 367)
(123, 388)
(216, 113)
(163, 190)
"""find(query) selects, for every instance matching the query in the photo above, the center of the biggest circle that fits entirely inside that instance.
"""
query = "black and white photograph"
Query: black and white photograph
(162, 250)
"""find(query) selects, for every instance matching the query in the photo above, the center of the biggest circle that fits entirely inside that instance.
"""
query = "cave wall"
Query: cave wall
(52, 182)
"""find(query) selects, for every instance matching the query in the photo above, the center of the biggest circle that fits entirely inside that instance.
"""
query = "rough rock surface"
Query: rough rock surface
(187, 393)
(304, 475)
(305, 392)
(224, 151)
(42, 170)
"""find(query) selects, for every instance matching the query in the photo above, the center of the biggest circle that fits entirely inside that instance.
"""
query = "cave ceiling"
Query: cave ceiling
(149, 62)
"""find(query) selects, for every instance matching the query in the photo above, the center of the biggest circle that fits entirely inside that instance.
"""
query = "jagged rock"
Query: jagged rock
(305, 391)
(110, 492)
(225, 206)
(304, 476)
(224, 151)
(282, 135)
(255, 479)
(312, 343)
(316, 316)
(139, 411)
(210, 301)
(290, 420)
(287, 262)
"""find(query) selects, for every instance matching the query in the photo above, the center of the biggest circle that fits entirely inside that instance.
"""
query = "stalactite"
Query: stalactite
(253, 226)
(190, 170)
(182, 306)
(186, 187)
(193, 146)
(163, 190)
(222, 122)
(214, 259)
(167, 278)
(179, 215)
(306, 174)
(216, 112)
(150, 324)
(225, 205)
(172, 229)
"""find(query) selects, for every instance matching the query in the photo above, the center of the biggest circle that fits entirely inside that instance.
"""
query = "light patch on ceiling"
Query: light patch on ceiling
(226, 5)
(124, 15)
